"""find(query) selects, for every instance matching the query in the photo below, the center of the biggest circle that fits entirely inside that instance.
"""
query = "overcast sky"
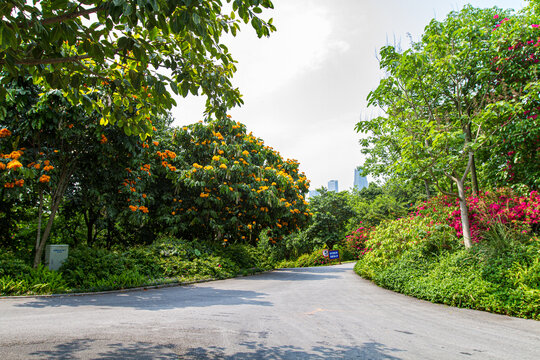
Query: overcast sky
(305, 86)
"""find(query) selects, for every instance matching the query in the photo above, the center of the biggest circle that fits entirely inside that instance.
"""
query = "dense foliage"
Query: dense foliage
(460, 105)
(65, 177)
(461, 108)
(117, 48)
(232, 186)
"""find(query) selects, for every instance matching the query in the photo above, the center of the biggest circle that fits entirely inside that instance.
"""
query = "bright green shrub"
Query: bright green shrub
(40, 280)
(316, 258)
(391, 239)
(419, 257)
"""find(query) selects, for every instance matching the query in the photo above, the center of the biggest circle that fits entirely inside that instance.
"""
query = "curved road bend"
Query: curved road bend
(310, 313)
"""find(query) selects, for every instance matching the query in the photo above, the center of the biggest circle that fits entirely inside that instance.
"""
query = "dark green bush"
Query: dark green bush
(146, 260)
(11, 266)
(86, 267)
(167, 260)
(246, 257)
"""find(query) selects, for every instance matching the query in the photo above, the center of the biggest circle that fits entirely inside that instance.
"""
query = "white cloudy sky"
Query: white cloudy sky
(305, 87)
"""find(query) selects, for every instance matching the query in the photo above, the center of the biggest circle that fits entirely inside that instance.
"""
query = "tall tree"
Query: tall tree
(435, 96)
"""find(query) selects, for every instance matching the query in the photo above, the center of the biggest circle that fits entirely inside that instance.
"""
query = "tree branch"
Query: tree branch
(438, 187)
(47, 61)
(64, 17)
(92, 71)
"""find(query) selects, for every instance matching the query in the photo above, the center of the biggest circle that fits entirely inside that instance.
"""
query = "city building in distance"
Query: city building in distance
(360, 181)
(333, 185)
(313, 193)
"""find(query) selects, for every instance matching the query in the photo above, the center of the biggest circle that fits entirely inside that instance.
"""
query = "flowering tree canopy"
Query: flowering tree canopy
(232, 186)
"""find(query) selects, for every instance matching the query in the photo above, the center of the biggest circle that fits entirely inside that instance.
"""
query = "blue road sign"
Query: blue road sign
(333, 254)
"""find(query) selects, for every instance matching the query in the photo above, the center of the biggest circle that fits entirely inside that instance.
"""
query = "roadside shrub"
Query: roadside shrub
(167, 260)
(128, 279)
(213, 266)
(246, 257)
(355, 242)
(391, 239)
(146, 260)
(86, 268)
(422, 256)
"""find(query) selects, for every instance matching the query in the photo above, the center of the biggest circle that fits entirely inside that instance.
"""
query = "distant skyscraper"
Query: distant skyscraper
(360, 181)
(313, 193)
(333, 185)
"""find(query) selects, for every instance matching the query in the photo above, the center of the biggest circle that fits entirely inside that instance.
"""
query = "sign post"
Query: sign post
(334, 254)
(325, 253)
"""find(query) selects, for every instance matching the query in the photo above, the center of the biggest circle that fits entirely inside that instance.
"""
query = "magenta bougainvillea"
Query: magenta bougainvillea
(502, 206)
(356, 240)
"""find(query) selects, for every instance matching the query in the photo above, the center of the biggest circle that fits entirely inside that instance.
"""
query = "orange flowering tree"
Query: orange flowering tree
(112, 187)
(34, 169)
(51, 151)
(231, 186)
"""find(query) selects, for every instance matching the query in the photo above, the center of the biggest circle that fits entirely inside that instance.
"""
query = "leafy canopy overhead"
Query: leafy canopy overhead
(105, 54)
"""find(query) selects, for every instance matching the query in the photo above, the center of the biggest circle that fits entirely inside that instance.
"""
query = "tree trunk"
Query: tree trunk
(40, 215)
(462, 197)
(474, 177)
(464, 212)
(89, 219)
(55, 201)
(426, 184)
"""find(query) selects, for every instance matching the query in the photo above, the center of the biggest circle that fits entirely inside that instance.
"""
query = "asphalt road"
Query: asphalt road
(310, 313)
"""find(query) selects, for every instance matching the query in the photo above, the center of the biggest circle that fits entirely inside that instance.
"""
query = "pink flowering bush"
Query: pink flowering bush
(502, 206)
(355, 242)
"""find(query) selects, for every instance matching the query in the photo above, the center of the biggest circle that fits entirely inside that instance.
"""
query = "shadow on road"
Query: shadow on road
(157, 299)
(368, 350)
(84, 349)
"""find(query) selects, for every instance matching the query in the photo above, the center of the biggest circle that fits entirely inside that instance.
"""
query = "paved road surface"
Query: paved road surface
(310, 313)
